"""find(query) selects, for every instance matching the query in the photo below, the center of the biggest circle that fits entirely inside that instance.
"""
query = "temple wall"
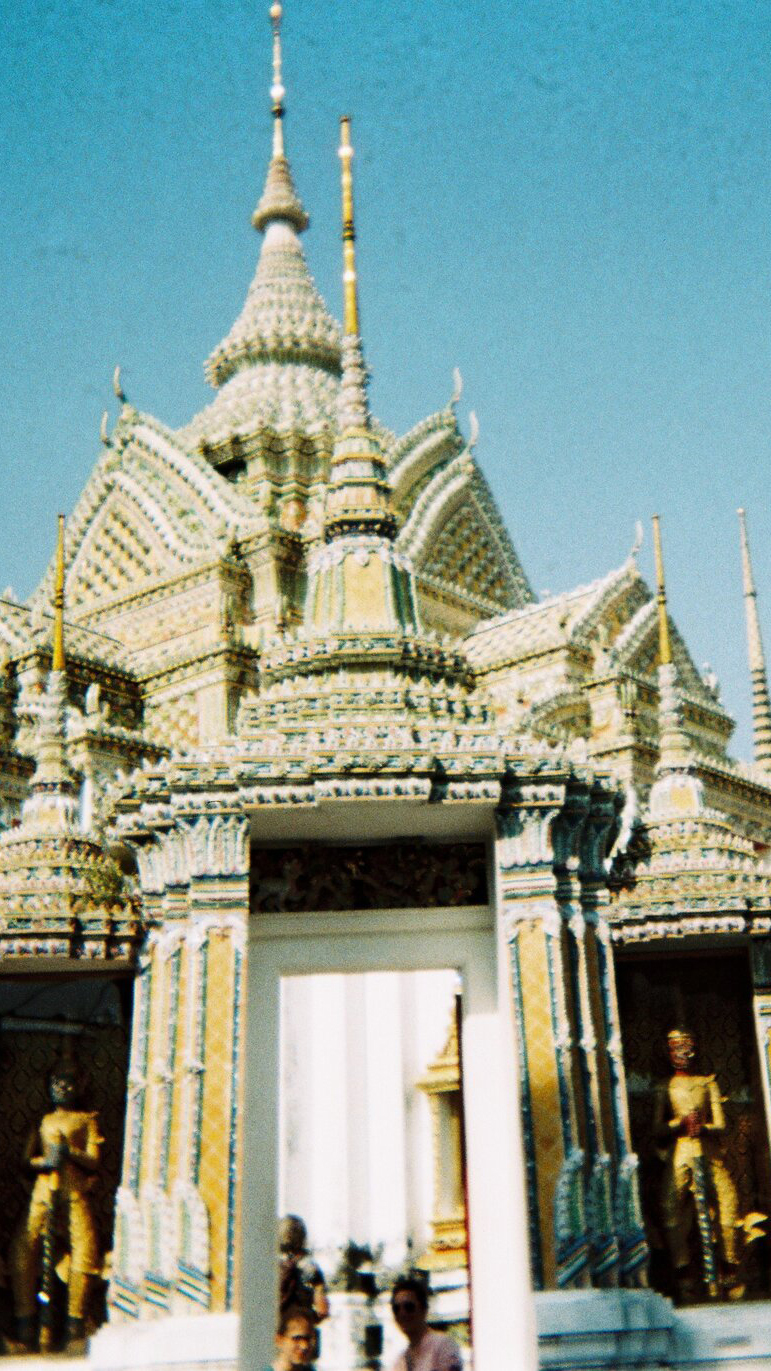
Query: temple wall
(581, 1172)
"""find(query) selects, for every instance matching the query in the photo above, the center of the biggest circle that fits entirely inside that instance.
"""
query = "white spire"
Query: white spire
(279, 200)
(761, 705)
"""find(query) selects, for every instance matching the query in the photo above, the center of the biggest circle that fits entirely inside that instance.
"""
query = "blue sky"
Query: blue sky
(569, 201)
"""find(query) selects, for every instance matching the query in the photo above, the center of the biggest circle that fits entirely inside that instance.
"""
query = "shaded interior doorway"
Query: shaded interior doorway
(38, 1016)
(711, 994)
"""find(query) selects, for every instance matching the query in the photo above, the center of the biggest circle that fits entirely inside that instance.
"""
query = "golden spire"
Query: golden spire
(359, 496)
(57, 660)
(665, 645)
(279, 198)
(351, 314)
(761, 705)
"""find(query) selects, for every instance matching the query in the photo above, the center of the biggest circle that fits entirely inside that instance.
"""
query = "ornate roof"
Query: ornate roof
(547, 624)
(275, 396)
(148, 510)
(284, 317)
(60, 893)
(22, 629)
(617, 613)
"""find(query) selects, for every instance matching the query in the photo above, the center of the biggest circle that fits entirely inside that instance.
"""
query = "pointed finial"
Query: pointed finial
(665, 645)
(457, 386)
(279, 200)
(350, 291)
(675, 748)
(277, 91)
(104, 433)
(57, 660)
(117, 387)
(473, 424)
(761, 704)
(638, 541)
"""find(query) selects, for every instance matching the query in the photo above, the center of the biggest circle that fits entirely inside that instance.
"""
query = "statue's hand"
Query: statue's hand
(693, 1123)
(55, 1157)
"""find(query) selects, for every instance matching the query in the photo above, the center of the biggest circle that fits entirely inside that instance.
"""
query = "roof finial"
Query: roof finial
(57, 659)
(761, 704)
(675, 749)
(279, 199)
(277, 91)
(665, 645)
(359, 497)
(350, 291)
(353, 409)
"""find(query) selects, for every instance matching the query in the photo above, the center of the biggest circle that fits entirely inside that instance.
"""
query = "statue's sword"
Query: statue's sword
(704, 1220)
(45, 1293)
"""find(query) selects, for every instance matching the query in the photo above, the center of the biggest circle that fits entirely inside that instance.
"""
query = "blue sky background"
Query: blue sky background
(570, 201)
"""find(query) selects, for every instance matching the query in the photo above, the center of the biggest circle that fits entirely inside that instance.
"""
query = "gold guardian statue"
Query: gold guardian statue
(63, 1153)
(697, 1189)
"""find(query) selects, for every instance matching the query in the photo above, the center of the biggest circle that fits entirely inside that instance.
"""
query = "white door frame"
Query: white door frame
(397, 940)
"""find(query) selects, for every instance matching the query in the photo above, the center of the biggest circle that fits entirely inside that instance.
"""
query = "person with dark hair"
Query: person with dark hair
(295, 1340)
(301, 1281)
(426, 1350)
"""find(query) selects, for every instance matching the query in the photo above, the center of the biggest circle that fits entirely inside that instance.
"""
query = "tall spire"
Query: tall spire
(761, 705)
(284, 329)
(279, 200)
(52, 798)
(358, 579)
(359, 495)
(57, 659)
(665, 646)
(674, 743)
(353, 408)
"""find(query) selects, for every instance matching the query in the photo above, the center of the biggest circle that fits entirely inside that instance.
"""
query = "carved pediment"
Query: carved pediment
(149, 510)
(464, 556)
(122, 550)
(457, 541)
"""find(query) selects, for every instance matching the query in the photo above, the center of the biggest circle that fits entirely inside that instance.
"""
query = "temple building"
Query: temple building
(341, 874)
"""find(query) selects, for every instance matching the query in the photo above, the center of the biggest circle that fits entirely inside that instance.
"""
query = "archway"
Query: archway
(463, 938)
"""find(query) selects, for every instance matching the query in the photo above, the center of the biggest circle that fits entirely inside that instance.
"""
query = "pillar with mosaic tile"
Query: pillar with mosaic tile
(177, 1204)
(533, 916)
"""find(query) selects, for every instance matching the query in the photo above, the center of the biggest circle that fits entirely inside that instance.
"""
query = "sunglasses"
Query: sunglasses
(404, 1307)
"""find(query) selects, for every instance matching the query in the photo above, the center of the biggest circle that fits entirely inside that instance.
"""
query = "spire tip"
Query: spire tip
(279, 199)
(665, 645)
(57, 659)
(351, 300)
(761, 702)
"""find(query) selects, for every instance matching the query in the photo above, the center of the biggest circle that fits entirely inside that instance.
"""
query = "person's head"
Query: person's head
(681, 1045)
(292, 1235)
(409, 1303)
(63, 1086)
(295, 1339)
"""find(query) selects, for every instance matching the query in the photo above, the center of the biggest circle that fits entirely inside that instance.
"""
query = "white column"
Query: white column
(386, 1117)
(325, 1025)
(502, 1299)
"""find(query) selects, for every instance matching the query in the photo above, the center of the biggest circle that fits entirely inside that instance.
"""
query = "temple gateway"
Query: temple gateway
(342, 876)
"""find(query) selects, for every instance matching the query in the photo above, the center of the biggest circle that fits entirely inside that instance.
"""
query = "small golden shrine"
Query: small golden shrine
(448, 1248)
